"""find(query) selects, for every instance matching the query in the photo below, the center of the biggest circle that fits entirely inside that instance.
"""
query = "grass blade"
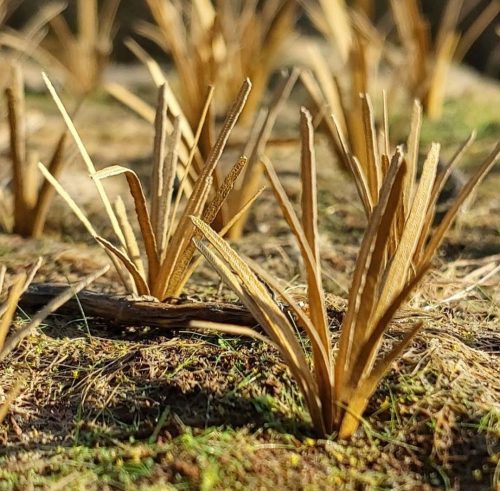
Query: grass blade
(130, 238)
(139, 281)
(86, 158)
(141, 210)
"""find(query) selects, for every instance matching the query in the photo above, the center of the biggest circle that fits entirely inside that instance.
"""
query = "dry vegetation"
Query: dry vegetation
(196, 151)
(24, 210)
(394, 255)
(220, 44)
(166, 237)
(7, 314)
(420, 63)
(339, 351)
(76, 59)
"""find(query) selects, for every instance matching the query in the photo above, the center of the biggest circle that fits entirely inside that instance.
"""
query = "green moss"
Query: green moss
(460, 117)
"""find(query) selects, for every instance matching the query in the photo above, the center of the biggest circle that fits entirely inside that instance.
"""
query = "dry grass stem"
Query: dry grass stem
(25, 42)
(192, 151)
(260, 134)
(86, 53)
(420, 63)
(427, 61)
(78, 58)
(328, 95)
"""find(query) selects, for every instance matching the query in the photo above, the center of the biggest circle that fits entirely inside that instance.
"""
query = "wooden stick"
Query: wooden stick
(124, 311)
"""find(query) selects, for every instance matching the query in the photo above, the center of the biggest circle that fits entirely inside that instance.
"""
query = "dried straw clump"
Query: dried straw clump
(426, 62)
(259, 134)
(220, 44)
(77, 59)
(361, 47)
(8, 309)
(166, 237)
(24, 209)
(83, 56)
(394, 255)
(370, 165)
(418, 62)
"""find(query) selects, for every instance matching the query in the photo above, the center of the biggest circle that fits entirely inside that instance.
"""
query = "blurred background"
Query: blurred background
(484, 54)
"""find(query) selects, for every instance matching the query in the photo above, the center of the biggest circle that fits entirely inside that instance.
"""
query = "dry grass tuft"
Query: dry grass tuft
(426, 62)
(25, 42)
(77, 59)
(220, 43)
(361, 47)
(419, 62)
(166, 237)
(25, 211)
(371, 165)
(8, 310)
(395, 253)
(85, 54)
(259, 133)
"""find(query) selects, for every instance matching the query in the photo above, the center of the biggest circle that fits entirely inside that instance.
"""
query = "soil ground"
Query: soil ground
(103, 408)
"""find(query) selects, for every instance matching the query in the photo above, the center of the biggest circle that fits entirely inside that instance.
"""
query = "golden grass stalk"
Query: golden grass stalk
(366, 6)
(85, 54)
(30, 199)
(333, 19)
(260, 134)
(191, 137)
(361, 47)
(4, 10)
(8, 310)
(220, 43)
(394, 256)
(426, 62)
(165, 235)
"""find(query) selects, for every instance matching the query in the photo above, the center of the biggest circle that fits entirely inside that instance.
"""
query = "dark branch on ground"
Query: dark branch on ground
(125, 311)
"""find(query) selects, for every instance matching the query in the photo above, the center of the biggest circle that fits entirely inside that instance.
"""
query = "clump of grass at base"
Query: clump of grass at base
(166, 237)
(395, 253)
(8, 309)
(24, 209)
